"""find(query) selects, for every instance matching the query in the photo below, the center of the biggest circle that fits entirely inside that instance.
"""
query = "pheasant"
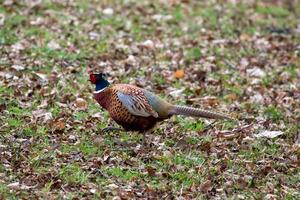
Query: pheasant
(137, 109)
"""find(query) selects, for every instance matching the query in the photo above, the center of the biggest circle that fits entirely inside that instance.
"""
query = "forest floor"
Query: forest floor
(238, 58)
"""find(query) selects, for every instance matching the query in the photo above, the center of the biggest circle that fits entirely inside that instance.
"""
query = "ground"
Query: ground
(237, 57)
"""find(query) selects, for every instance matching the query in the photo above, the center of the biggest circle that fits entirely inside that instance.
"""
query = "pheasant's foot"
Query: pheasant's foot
(144, 140)
(124, 144)
(110, 128)
(209, 126)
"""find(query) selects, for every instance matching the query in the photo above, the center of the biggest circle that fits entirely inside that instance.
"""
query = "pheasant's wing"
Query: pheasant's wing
(134, 99)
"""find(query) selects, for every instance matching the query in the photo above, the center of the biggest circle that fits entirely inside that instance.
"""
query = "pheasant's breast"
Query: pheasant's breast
(128, 121)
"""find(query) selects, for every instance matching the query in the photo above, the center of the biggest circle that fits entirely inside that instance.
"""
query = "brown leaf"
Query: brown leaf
(245, 37)
(58, 125)
(148, 44)
(98, 140)
(80, 104)
(14, 186)
(242, 182)
(206, 186)
(210, 101)
(179, 73)
(231, 97)
(151, 171)
(2, 107)
(42, 113)
(182, 144)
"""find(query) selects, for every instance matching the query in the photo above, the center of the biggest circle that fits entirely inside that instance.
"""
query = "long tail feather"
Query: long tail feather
(194, 112)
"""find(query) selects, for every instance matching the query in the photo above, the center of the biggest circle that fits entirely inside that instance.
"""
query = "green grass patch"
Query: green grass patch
(189, 125)
(273, 10)
(88, 148)
(81, 115)
(73, 174)
(191, 160)
(273, 113)
(193, 53)
(125, 174)
(14, 123)
(7, 193)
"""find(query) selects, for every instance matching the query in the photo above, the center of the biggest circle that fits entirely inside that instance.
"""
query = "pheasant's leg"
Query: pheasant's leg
(207, 127)
(144, 138)
(111, 128)
(110, 122)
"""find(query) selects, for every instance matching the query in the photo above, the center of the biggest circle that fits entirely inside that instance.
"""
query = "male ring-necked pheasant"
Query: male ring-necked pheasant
(137, 109)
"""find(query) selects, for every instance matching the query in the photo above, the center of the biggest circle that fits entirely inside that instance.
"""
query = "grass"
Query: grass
(73, 174)
(275, 11)
(185, 158)
(194, 53)
(128, 175)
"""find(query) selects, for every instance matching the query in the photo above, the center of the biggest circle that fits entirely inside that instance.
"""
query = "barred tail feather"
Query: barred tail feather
(194, 112)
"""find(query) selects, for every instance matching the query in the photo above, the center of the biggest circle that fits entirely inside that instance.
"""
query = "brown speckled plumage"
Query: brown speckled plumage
(109, 100)
(136, 109)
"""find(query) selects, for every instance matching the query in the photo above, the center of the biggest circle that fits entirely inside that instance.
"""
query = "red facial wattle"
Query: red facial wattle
(93, 78)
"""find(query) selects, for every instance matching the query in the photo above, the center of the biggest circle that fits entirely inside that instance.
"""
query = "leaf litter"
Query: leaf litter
(236, 57)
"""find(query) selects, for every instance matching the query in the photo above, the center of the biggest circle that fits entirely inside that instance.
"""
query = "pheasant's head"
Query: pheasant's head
(95, 78)
(100, 81)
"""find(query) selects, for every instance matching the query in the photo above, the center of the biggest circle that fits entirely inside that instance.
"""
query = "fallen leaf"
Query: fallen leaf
(93, 191)
(210, 100)
(98, 140)
(256, 72)
(131, 60)
(257, 98)
(14, 186)
(179, 73)
(58, 125)
(42, 76)
(262, 44)
(94, 35)
(182, 144)
(151, 171)
(98, 115)
(53, 45)
(116, 198)
(17, 47)
(108, 11)
(176, 93)
(112, 186)
(160, 18)
(18, 67)
(245, 37)
(206, 186)
(42, 113)
(268, 134)
(148, 44)
(231, 97)
(80, 104)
